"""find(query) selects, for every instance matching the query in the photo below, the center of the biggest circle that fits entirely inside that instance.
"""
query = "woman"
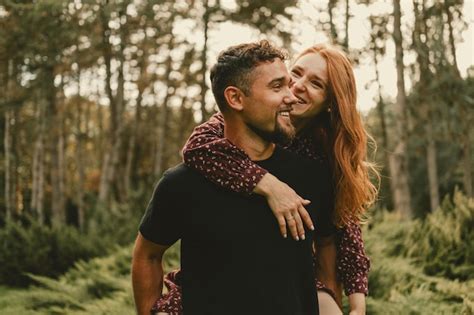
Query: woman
(328, 128)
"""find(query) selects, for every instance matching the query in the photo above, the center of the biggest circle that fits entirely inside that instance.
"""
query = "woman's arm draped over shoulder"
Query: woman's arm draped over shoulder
(217, 159)
(220, 161)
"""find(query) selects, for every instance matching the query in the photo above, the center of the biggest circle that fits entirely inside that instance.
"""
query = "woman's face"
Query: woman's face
(309, 84)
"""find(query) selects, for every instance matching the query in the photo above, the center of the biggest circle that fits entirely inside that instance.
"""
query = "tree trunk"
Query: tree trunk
(451, 37)
(399, 158)
(346, 27)
(6, 86)
(425, 106)
(332, 27)
(16, 176)
(8, 91)
(117, 170)
(7, 149)
(204, 112)
(142, 83)
(132, 144)
(161, 137)
(100, 139)
(80, 157)
(186, 118)
(383, 123)
(56, 144)
(37, 198)
(163, 115)
(104, 186)
(381, 102)
(111, 156)
(467, 169)
(465, 142)
(432, 166)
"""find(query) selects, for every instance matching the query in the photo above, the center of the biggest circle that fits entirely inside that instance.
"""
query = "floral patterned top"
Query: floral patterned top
(208, 152)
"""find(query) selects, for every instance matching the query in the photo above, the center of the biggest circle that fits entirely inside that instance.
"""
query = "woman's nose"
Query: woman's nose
(298, 84)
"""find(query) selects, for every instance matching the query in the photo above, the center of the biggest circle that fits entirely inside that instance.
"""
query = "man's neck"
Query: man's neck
(243, 137)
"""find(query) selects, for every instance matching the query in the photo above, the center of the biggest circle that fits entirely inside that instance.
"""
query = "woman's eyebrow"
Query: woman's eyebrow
(296, 68)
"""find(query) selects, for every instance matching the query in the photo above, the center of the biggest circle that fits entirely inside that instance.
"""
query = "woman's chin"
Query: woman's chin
(297, 114)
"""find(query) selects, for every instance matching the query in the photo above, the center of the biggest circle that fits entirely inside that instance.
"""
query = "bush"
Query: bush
(116, 224)
(29, 247)
(402, 251)
(443, 244)
(99, 286)
(33, 248)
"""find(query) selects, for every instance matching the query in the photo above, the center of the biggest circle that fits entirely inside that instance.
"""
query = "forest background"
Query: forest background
(97, 98)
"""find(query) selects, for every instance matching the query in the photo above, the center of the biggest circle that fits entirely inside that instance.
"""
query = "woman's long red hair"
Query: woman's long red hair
(341, 131)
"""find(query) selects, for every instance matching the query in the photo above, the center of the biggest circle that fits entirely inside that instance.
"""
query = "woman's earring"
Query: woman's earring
(329, 109)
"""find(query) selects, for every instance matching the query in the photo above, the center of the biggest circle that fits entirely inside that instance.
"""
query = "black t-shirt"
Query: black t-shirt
(233, 257)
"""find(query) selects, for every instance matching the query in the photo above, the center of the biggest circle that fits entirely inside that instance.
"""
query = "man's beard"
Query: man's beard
(279, 135)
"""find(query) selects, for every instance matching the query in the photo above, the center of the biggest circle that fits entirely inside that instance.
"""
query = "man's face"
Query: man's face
(267, 108)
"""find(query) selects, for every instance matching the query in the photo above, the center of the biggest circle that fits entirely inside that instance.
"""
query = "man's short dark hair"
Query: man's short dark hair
(235, 65)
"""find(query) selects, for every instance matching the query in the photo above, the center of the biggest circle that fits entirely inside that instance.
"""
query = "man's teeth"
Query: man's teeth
(285, 114)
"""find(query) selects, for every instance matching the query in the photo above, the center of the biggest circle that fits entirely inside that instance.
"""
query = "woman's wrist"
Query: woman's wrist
(357, 304)
(264, 186)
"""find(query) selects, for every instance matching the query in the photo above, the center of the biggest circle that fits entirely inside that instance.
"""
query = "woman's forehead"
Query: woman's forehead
(312, 63)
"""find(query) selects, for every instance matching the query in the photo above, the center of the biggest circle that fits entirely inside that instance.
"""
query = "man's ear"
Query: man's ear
(234, 97)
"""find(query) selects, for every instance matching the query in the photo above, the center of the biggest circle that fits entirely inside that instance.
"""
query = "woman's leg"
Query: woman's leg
(327, 304)
(170, 302)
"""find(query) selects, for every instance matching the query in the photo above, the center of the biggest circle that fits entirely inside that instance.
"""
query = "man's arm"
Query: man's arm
(147, 273)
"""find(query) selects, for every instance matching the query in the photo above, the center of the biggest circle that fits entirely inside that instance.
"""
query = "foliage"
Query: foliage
(100, 286)
(423, 266)
(30, 247)
(39, 249)
(398, 281)
(444, 242)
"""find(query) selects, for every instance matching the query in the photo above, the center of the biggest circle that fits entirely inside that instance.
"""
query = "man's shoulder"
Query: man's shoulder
(179, 175)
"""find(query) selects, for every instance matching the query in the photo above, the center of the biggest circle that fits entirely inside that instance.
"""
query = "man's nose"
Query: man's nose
(290, 98)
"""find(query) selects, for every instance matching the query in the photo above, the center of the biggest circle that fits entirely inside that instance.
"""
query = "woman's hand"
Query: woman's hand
(287, 206)
(357, 304)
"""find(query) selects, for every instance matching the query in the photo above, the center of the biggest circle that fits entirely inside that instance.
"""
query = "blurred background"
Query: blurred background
(97, 98)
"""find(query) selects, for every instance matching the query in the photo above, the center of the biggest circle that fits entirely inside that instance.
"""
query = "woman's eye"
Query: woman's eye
(316, 84)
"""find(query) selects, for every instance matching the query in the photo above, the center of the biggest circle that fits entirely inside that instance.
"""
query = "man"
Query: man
(228, 241)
